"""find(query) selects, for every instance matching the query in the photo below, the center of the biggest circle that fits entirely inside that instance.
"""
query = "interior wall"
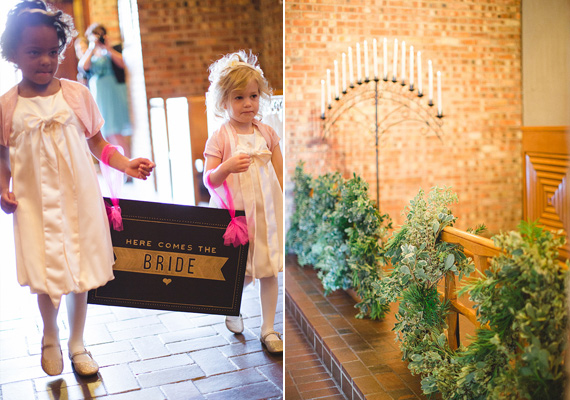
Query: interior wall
(180, 39)
(546, 62)
(477, 47)
(104, 12)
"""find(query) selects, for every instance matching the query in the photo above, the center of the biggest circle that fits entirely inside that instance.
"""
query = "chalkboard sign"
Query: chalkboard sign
(173, 257)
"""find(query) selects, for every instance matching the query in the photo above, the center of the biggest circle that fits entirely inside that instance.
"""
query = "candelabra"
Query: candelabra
(406, 98)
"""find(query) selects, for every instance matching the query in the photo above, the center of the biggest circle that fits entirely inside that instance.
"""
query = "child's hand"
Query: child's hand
(139, 168)
(8, 202)
(238, 163)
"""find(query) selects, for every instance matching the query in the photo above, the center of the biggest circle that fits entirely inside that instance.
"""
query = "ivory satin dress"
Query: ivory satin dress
(61, 229)
(257, 191)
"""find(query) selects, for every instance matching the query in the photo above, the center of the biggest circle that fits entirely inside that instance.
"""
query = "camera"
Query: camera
(102, 39)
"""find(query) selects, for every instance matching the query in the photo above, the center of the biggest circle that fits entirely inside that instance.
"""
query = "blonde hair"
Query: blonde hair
(234, 72)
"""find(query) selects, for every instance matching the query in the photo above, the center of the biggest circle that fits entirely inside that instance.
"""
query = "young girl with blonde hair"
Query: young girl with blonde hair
(244, 166)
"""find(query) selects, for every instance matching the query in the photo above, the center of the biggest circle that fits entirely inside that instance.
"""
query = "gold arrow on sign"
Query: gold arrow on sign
(169, 263)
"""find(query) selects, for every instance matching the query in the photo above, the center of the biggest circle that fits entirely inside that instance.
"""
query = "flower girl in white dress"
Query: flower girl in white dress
(245, 157)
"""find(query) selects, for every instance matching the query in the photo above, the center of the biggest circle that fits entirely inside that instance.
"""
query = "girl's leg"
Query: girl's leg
(49, 318)
(77, 313)
(52, 362)
(268, 292)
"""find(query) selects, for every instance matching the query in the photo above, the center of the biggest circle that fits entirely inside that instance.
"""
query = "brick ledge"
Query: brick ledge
(360, 354)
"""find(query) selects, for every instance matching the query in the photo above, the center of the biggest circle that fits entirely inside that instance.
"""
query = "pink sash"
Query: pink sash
(236, 232)
(115, 181)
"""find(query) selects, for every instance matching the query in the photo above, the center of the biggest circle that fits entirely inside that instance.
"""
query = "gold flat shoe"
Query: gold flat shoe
(275, 345)
(84, 368)
(52, 367)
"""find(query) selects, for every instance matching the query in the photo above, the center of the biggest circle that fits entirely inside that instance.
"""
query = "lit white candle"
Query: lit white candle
(385, 59)
(395, 62)
(420, 86)
(329, 89)
(411, 67)
(439, 104)
(375, 58)
(430, 82)
(358, 64)
(350, 67)
(366, 66)
(344, 72)
(336, 93)
(323, 97)
(403, 62)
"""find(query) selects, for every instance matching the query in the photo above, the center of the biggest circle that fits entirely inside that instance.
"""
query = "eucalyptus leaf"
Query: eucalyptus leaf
(449, 261)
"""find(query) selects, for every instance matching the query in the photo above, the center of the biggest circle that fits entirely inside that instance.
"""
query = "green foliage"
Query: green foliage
(479, 229)
(337, 229)
(296, 235)
(418, 255)
(522, 300)
(420, 260)
(364, 228)
(316, 222)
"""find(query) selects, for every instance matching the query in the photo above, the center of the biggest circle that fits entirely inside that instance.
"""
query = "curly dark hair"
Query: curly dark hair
(35, 13)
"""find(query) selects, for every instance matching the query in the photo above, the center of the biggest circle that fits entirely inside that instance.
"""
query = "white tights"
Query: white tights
(268, 293)
(76, 312)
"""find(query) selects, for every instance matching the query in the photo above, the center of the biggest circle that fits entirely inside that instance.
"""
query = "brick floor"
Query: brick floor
(360, 355)
(143, 354)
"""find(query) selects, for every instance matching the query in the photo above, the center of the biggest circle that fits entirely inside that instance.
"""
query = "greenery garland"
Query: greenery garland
(522, 300)
(420, 259)
(337, 229)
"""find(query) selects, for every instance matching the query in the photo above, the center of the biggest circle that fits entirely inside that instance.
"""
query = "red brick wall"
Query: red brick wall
(105, 12)
(180, 39)
(271, 13)
(477, 47)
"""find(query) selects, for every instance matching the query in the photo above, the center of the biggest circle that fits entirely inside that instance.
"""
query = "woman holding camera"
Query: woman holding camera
(106, 70)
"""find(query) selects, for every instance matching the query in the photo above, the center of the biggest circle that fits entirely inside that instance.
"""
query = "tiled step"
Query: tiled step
(361, 355)
(305, 375)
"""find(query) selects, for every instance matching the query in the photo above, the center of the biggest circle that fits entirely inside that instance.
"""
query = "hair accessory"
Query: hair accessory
(236, 62)
(114, 179)
(233, 63)
(236, 232)
(35, 10)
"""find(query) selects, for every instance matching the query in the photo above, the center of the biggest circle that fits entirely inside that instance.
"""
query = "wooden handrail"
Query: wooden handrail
(480, 249)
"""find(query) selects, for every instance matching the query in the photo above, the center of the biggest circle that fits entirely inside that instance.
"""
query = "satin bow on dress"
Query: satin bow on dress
(261, 155)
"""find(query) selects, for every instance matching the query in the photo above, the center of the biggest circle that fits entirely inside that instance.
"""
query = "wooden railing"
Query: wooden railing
(481, 250)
